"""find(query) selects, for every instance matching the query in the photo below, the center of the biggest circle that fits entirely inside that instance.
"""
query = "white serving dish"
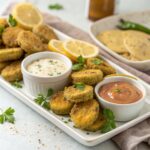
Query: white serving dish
(83, 137)
(110, 23)
(122, 112)
(35, 84)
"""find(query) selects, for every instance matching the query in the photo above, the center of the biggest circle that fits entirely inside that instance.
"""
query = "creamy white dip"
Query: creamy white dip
(47, 67)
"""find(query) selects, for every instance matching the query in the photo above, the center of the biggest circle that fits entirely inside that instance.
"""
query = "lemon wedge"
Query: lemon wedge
(74, 48)
(26, 15)
(56, 46)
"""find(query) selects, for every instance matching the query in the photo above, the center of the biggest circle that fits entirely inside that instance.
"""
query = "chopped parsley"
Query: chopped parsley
(117, 90)
(16, 84)
(97, 61)
(55, 6)
(12, 21)
(79, 85)
(7, 116)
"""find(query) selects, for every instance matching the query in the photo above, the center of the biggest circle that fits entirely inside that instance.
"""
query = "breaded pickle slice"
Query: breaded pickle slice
(10, 35)
(59, 105)
(97, 124)
(9, 54)
(3, 65)
(29, 42)
(45, 33)
(3, 22)
(77, 95)
(98, 63)
(84, 114)
(12, 72)
(88, 76)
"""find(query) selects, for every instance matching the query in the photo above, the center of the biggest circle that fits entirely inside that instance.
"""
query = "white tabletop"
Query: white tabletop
(31, 131)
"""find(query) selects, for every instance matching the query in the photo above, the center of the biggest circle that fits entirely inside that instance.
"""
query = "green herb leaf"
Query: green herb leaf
(50, 92)
(77, 67)
(1, 30)
(80, 60)
(110, 121)
(117, 90)
(97, 61)
(79, 85)
(16, 84)
(12, 21)
(56, 6)
(42, 100)
(7, 115)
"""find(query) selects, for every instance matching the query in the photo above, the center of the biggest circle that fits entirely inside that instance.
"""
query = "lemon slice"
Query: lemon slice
(26, 15)
(56, 46)
(75, 48)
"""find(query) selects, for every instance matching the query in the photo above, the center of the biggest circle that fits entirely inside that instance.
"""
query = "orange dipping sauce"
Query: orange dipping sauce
(120, 92)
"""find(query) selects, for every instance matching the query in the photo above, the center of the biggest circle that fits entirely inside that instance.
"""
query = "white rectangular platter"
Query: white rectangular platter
(86, 138)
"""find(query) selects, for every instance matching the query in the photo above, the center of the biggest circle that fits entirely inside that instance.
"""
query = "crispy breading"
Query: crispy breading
(29, 42)
(45, 33)
(3, 65)
(97, 124)
(102, 65)
(10, 35)
(10, 54)
(3, 22)
(12, 72)
(78, 95)
(84, 114)
(59, 105)
(88, 76)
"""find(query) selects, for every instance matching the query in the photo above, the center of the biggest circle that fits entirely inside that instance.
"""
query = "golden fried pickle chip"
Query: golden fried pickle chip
(45, 33)
(29, 42)
(3, 65)
(98, 63)
(59, 105)
(78, 95)
(97, 124)
(3, 22)
(10, 35)
(9, 54)
(84, 114)
(88, 76)
(12, 72)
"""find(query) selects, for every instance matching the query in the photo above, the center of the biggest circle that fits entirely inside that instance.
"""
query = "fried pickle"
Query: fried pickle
(3, 22)
(3, 65)
(10, 54)
(45, 33)
(88, 76)
(77, 95)
(59, 105)
(98, 63)
(29, 42)
(12, 72)
(84, 114)
(97, 124)
(10, 35)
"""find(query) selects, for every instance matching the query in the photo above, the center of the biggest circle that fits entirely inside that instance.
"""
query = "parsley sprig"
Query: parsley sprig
(1, 30)
(97, 61)
(7, 116)
(56, 6)
(42, 100)
(79, 85)
(16, 84)
(12, 21)
(79, 65)
(110, 121)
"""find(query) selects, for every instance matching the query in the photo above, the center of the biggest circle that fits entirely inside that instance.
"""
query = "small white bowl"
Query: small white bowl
(122, 112)
(35, 84)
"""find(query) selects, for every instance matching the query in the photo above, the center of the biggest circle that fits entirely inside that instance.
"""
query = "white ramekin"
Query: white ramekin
(123, 112)
(35, 84)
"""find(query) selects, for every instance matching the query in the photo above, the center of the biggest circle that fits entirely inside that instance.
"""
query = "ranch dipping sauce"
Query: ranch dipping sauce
(47, 67)
(120, 92)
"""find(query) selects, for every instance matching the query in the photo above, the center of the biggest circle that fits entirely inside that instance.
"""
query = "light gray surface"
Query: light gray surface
(31, 131)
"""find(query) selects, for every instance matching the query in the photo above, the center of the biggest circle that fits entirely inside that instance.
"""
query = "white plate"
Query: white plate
(86, 138)
(110, 23)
